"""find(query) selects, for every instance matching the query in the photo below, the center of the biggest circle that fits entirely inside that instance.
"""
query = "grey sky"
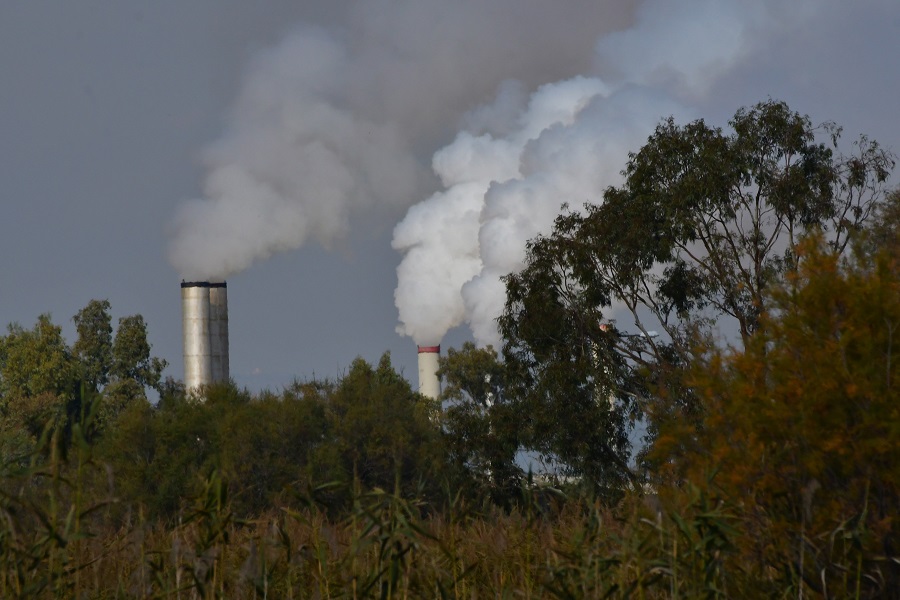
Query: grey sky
(107, 109)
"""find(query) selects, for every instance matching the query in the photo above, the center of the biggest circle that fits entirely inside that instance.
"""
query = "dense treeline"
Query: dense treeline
(369, 428)
(44, 382)
(770, 465)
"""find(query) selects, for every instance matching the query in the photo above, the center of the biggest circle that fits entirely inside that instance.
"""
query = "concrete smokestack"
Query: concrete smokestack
(204, 310)
(218, 331)
(429, 383)
(195, 318)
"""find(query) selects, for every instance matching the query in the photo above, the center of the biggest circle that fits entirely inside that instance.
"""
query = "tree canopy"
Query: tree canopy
(480, 426)
(799, 427)
(44, 381)
(93, 348)
(611, 304)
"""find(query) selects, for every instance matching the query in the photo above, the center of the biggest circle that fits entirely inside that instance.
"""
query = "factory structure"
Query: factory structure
(204, 310)
(429, 383)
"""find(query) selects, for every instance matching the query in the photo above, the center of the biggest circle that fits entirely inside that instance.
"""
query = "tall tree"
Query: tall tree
(35, 361)
(132, 371)
(382, 431)
(38, 381)
(480, 427)
(93, 348)
(131, 358)
(705, 222)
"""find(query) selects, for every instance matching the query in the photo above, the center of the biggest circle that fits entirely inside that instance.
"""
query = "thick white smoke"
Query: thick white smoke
(328, 123)
(292, 165)
(519, 160)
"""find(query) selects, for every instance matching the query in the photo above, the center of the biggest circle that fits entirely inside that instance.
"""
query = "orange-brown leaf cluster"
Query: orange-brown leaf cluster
(800, 428)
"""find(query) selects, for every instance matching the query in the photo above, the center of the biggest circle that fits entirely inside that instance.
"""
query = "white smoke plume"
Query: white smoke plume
(507, 175)
(330, 122)
(292, 166)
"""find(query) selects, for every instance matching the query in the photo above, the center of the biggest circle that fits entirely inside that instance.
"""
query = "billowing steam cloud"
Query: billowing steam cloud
(328, 123)
(292, 166)
(506, 176)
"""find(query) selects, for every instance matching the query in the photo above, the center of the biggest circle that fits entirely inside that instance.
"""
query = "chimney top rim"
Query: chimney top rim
(204, 284)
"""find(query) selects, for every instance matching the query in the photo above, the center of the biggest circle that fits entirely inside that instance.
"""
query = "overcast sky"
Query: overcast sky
(135, 137)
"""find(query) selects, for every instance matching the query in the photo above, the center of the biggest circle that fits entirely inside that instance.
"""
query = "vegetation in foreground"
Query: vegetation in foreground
(390, 545)
(770, 469)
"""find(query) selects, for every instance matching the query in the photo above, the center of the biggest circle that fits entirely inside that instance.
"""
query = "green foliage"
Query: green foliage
(385, 546)
(93, 348)
(129, 447)
(480, 427)
(711, 222)
(38, 387)
(217, 499)
(269, 447)
(43, 509)
(44, 381)
(161, 455)
(35, 361)
(380, 428)
(131, 354)
(370, 428)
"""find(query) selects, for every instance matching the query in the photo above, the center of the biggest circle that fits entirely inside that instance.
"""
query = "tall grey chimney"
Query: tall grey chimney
(204, 309)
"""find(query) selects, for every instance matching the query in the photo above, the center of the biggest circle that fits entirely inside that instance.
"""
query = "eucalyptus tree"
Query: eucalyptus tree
(480, 426)
(131, 354)
(35, 361)
(93, 348)
(380, 432)
(610, 306)
(38, 377)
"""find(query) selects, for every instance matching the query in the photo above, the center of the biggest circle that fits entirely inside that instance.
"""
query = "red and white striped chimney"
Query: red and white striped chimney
(429, 383)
